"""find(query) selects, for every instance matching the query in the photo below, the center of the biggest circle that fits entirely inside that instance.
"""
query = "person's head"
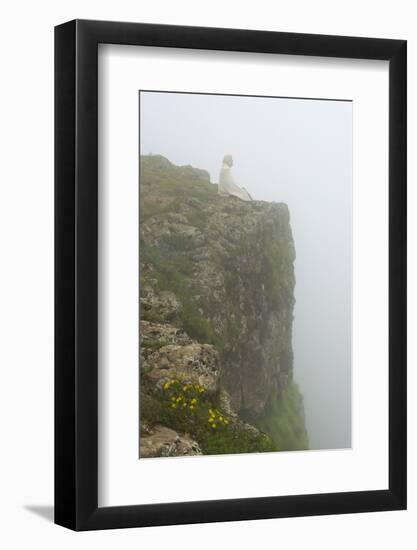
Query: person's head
(228, 159)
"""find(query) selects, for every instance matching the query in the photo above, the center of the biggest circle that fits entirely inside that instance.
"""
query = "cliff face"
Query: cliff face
(220, 271)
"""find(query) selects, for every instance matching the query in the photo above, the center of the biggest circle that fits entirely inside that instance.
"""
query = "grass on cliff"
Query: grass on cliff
(174, 184)
(283, 420)
(166, 187)
(172, 272)
(277, 268)
(236, 440)
(186, 408)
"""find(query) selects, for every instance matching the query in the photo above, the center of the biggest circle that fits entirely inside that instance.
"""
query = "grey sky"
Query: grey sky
(299, 152)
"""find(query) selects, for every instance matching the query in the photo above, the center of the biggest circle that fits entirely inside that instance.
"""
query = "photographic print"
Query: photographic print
(245, 274)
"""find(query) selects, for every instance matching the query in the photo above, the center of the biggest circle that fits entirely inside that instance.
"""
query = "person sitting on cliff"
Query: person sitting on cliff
(227, 185)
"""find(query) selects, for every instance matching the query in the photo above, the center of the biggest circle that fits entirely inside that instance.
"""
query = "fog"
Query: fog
(299, 152)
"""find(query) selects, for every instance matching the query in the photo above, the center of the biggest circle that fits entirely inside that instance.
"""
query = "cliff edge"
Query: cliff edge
(217, 297)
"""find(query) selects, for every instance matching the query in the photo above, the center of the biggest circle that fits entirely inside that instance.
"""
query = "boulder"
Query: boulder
(163, 441)
(192, 363)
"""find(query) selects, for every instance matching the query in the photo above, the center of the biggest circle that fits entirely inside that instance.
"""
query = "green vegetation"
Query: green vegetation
(152, 344)
(283, 420)
(174, 183)
(150, 408)
(187, 408)
(171, 270)
(237, 439)
(171, 264)
(197, 217)
(151, 316)
(277, 267)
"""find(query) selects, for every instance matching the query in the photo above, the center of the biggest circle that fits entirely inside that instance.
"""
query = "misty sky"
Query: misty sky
(295, 151)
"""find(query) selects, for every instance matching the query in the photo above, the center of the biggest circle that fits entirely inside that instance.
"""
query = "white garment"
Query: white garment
(228, 186)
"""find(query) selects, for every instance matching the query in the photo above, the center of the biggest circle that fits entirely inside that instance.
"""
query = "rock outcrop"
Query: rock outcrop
(162, 441)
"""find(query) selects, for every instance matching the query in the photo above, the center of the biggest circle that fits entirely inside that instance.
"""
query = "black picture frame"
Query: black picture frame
(76, 272)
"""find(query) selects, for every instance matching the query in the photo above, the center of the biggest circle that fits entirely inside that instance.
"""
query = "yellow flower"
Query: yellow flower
(191, 407)
(179, 398)
(173, 405)
(193, 400)
(173, 398)
(210, 420)
(184, 404)
(211, 412)
(226, 422)
(221, 418)
(213, 425)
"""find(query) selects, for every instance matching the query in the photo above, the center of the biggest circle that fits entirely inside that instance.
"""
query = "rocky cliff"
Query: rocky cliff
(217, 297)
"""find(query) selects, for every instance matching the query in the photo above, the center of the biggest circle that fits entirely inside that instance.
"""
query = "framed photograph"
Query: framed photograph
(230, 253)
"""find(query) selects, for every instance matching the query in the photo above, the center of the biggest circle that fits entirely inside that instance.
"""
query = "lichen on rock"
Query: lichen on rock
(192, 363)
(163, 441)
